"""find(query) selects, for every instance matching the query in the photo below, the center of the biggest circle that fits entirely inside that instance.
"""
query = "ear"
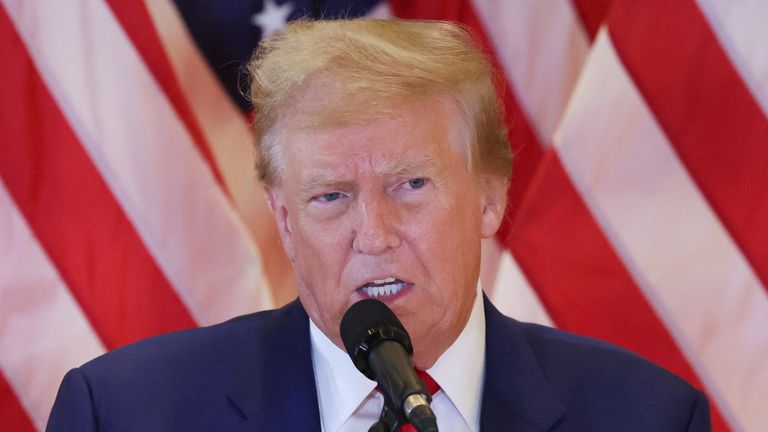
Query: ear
(494, 205)
(277, 205)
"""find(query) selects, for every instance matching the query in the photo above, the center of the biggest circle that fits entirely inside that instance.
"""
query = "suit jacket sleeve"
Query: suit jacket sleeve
(700, 420)
(73, 408)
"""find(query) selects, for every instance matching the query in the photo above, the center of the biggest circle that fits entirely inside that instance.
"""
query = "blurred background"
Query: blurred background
(638, 210)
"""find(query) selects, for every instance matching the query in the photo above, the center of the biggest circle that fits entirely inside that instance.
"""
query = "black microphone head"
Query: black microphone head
(364, 325)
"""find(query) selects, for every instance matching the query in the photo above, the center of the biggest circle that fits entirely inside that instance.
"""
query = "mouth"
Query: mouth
(386, 288)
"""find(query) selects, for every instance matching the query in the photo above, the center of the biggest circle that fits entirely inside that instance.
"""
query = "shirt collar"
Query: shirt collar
(341, 388)
(461, 368)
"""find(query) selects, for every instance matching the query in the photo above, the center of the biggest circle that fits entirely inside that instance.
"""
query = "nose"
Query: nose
(375, 233)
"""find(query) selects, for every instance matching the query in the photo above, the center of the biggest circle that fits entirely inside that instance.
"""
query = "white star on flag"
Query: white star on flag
(272, 17)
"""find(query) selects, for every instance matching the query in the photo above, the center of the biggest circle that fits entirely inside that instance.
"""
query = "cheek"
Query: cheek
(449, 245)
(320, 252)
(320, 257)
(449, 231)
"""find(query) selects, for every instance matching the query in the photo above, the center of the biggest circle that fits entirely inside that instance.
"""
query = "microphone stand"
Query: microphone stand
(388, 420)
(392, 419)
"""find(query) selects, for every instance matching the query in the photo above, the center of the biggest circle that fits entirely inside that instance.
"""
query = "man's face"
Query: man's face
(389, 210)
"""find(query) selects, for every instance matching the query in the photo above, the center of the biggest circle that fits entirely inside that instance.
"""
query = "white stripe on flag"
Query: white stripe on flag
(671, 241)
(542, 46)
(224, 126)
(43, 332)
(145, 154)
(737, 26)
(514, 296)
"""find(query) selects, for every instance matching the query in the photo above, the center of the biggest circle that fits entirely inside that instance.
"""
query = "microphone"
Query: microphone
(381, 349)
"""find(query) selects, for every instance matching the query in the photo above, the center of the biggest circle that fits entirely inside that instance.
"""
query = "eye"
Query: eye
(330, 196)
(417, 183)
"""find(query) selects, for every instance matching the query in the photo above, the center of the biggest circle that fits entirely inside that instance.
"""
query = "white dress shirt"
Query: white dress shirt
(348, 400)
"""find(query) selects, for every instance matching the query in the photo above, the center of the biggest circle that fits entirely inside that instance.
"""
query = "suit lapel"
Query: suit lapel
(516, 394)
(275, 386)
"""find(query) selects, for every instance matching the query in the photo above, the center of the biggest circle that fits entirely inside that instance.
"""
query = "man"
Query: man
(385, 161)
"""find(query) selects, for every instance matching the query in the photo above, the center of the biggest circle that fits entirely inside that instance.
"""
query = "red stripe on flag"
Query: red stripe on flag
(592, 14)
(135, 19)
(73, 213)
(13, 417)
(525, 144)
(528, 155)
(581, 281)
(703, 106)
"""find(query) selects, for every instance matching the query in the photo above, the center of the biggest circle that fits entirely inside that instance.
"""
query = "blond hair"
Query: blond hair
(371, 68)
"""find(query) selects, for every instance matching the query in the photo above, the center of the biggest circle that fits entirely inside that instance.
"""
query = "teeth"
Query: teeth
(388, 280)
(383, 290)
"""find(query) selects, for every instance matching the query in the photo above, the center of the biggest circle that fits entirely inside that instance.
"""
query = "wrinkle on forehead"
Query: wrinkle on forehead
(324, 102)
(451, 128)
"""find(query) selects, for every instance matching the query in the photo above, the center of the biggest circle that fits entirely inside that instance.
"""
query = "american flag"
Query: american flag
(638, 207)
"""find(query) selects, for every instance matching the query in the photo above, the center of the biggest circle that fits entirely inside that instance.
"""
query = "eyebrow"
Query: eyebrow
(422, 165)
(324, 181)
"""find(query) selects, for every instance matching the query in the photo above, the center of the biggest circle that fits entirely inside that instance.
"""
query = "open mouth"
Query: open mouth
(387, 287)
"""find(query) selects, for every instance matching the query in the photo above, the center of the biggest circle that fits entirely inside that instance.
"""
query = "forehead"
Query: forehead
(423, 134)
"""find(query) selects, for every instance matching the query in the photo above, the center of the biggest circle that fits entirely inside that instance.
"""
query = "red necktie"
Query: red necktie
(432, 388)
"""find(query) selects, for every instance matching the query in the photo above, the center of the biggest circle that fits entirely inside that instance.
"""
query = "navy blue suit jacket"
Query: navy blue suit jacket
(254, 373)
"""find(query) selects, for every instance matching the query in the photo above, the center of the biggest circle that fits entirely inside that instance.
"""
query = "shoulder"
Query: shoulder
(596, 378)
(175, 381)
(568, 358)
(594, 384)
(562, 354)
(173, 365)
(186, 347)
